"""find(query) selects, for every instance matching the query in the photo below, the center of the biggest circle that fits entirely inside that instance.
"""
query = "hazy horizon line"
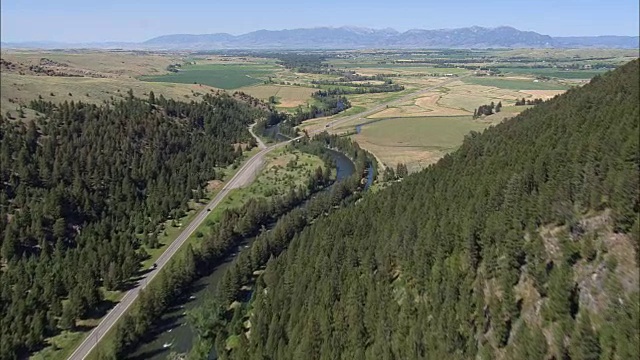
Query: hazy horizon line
(298, 28)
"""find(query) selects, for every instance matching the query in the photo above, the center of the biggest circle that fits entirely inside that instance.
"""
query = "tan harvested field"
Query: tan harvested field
(468, 96)
(416, 158)
(419, 81)
(423, 106)
(288, 96)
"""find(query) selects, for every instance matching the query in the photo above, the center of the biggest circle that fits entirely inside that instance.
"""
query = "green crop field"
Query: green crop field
(439, 132)
(515, 84)
(404, 66)
(416, 141)
(223, 76)
(555, 73)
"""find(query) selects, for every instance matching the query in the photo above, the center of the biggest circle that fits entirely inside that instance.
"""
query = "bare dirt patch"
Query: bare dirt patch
(214, 185)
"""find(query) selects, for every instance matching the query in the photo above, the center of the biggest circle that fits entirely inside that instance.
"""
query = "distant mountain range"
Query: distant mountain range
(354, 38)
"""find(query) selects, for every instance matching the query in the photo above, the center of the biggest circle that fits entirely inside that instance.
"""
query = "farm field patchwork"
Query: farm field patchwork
(427, 105)
(223, 76)
(462, 95)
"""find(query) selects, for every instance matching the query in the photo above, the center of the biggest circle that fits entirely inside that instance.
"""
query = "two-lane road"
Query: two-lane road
(243, 177)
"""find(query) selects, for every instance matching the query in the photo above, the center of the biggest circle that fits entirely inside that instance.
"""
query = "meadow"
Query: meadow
(18, 89)
(286, 96)
(222, 76)
(515, 84)
(416, 141)
(108, 63)
(553, 73)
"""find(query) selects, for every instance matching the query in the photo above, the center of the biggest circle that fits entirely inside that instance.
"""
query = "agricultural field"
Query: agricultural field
(552, 73)
(427, 105)
(416, 141)
(615, 56)
(468, 97)
(223, 76)
(516, 84)
(286, 96)
(458, 98)
(88, 76)
(107, 74)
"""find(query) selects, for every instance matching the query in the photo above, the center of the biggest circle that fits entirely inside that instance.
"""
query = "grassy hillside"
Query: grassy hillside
(522, 244)
(87, 76)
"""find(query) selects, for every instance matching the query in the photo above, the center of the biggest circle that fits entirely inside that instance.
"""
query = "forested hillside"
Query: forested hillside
(85, 186)
(522, 244)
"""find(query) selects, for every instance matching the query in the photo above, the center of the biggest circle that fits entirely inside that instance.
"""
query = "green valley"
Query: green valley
(522, 244)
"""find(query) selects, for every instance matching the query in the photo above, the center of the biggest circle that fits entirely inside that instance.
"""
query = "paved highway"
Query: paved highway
(243, 177)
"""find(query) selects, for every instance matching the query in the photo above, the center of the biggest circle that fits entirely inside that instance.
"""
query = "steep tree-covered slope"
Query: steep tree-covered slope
(84, 187)
(520, 245)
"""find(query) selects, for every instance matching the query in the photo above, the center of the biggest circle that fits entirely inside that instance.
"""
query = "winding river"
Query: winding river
(173, 333)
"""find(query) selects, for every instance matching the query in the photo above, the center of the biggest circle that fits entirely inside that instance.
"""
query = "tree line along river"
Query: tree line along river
(173, 333)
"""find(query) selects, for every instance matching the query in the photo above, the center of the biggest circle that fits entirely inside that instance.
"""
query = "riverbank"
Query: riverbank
(223, 322)
(172, 333)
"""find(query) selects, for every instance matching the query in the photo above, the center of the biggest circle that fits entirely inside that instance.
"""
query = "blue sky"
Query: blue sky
(138, 20)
